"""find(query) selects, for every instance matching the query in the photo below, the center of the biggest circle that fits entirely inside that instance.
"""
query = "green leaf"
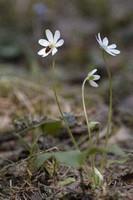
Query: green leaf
(70, 158)
(52, 127)
(73, 158)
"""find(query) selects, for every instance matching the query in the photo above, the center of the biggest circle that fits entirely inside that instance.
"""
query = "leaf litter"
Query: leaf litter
(52, 179)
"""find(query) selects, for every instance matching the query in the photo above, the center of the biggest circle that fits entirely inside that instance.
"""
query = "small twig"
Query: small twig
(82, 181)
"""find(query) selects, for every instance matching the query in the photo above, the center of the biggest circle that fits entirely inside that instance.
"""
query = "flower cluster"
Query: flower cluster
(53, 41)
(51, 45)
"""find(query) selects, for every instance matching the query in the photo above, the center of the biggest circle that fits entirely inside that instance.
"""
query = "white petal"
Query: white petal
(60, 43)
(112, 46)
(92, 72)
(43, 53)
(56, 36)
(43, 42)
(46, 54)
(99, 42)
(54, 51)
(105, 41)
(93, 83)
(115, 51)
(49, 35)
(98, 38)
(110, 52)
(96, 77)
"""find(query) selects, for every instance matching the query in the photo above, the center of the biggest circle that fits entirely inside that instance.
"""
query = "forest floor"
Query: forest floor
(29, 115)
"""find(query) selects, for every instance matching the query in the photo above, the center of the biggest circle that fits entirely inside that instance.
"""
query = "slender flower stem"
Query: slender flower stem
(110, 103)
(61, 113)
(103, 162)
(88, 126)
(85, 112)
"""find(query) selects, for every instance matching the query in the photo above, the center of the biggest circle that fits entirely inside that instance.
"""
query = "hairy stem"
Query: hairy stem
(61, 112)
(92, 160)
(109, 123)
(85, 112)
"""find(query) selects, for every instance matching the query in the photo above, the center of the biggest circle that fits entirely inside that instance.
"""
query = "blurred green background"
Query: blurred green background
(23, 23)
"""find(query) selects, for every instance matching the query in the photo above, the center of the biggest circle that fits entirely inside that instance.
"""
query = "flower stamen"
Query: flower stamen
(48, 49)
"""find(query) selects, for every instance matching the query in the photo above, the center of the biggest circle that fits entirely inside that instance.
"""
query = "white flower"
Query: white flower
(92, 78)
(51, 44)
(104, 44)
